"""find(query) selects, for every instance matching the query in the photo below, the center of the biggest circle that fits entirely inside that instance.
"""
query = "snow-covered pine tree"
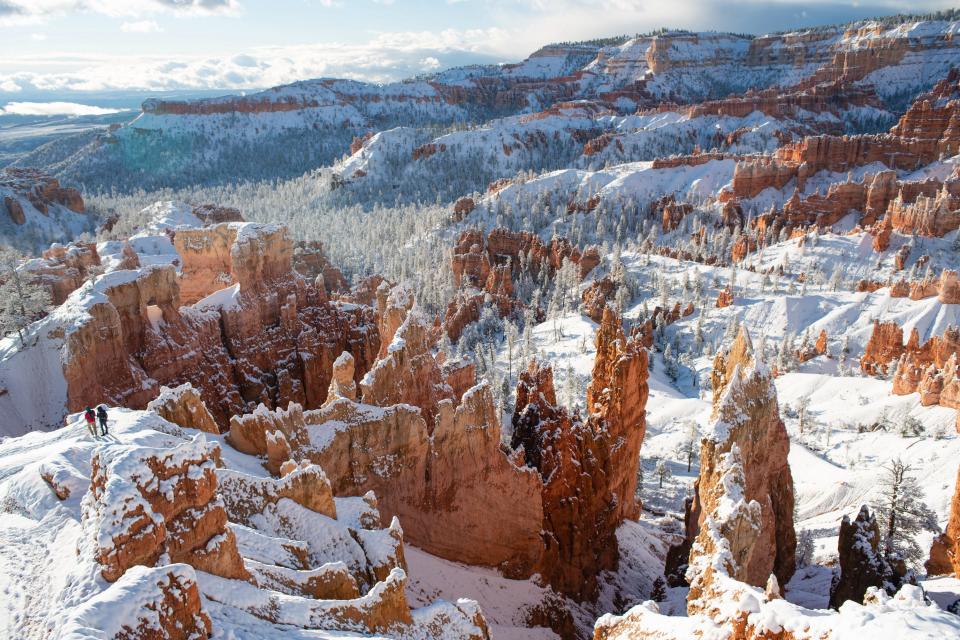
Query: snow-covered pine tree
(901, 512)
(690, 444)
(662, 471)
(805, 548)
(20, 301)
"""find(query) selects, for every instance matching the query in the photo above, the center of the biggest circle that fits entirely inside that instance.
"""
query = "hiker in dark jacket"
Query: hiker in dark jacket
(102, 415)
(91, 419)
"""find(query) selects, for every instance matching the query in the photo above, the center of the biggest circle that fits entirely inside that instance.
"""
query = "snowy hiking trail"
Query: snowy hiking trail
(28, 555)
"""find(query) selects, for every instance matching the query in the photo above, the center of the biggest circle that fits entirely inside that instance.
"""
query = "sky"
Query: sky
(49, 47)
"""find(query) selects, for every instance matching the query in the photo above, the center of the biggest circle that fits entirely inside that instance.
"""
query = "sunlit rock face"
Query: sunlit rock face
(144, 504)
(62, 269)
(433, 456)
(927, 206)
(35, 189)
(746, 416)
(945, 551)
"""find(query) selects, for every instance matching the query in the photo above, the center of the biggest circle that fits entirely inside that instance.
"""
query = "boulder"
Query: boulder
(184, 407)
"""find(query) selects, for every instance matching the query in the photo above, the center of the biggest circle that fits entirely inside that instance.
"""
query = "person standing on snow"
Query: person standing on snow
(102, 415)
(91, 419)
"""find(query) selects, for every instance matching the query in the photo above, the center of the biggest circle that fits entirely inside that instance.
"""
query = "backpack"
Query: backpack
(90, 416)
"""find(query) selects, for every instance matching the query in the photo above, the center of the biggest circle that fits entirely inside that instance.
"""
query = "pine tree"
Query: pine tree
(20, 301)
(901, 512)
(658, 593)
(805, 548)
(663, 471)
(688, 447)
(907, 425)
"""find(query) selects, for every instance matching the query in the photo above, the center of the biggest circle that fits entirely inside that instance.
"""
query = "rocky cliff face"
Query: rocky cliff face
(62, 269)
(172, 526)
(144, 504)
(37, 190)
(930, 368)
(436, 461)
(721, 600)
(927, 131)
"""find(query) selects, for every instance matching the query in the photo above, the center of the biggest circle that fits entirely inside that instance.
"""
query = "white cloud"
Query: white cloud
(140, 26)
(39, 37)
(387, 57)
(54, 109)
(19, 12)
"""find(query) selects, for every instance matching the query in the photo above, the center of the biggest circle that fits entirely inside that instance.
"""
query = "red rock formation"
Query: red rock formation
(211, 214)
(407, 372)
(931, 216)
(747, 420)
(443, 481)
(183, 406)
(171, 610)
(483, 270)
(753, 176)
(742, 247)
(310, 261)
(273, 340)
(470, 264)
(393, 305)
(671, 212)
(725, 298)
(821, 345)
(930, 129)
(462, 208)
(359, 141)
(473, 257)
(63, 269)
(596, 458)
(945, 551)
(39, 189)
(885, 344)
(342, 383)
(146, 503)
(445, 475)
(596, 296)
(869, 286)
(948, 289)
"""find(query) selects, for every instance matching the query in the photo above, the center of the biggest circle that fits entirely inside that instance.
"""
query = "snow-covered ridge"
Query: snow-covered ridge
(216, 137)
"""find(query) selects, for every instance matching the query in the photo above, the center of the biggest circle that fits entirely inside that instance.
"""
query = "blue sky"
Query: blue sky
(100, 45)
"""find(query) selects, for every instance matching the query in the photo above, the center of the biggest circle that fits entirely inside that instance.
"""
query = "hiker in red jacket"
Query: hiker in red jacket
(91, 419)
